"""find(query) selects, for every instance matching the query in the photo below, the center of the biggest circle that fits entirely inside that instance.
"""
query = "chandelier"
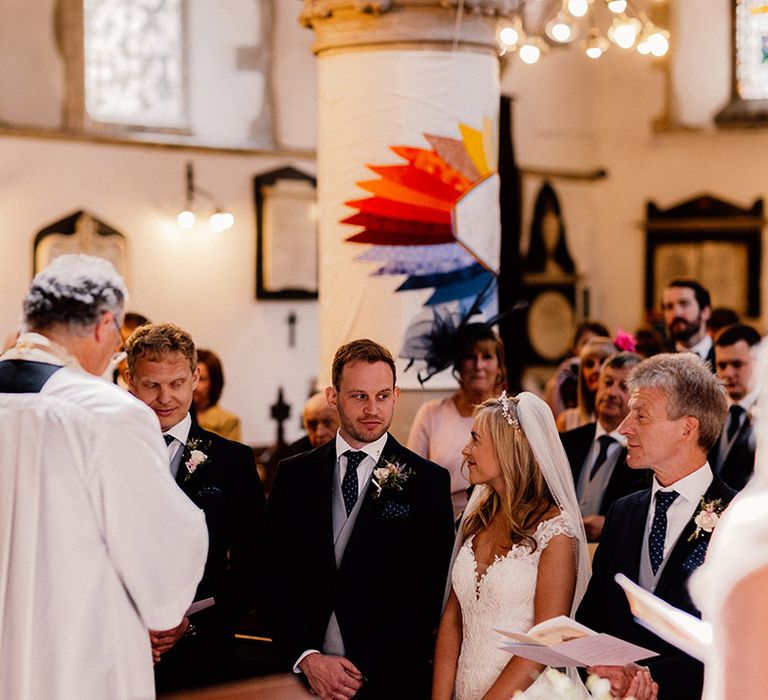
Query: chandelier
(596, 25)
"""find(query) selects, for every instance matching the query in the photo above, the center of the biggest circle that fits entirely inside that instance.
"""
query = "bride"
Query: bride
(521, 555)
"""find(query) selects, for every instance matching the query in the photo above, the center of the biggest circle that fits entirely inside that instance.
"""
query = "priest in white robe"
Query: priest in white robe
(97, 543)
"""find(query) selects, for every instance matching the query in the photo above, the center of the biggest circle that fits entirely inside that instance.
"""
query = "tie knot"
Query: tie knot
(664, 499)
(354, 458)
(168, 438)
(605, 441)
(736, 411)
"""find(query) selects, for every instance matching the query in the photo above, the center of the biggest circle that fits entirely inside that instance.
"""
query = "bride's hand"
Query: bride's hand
(642, 686)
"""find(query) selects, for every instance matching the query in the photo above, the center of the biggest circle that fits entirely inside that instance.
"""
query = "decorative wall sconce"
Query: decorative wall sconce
(220, 220)
(536, 26)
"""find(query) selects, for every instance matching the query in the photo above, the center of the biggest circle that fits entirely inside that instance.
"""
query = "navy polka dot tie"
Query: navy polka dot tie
(658, 534)
(349, 484)
(168, 438)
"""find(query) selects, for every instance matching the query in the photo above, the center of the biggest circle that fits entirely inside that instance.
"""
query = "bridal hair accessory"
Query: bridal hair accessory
(504, 400)
(707, 517)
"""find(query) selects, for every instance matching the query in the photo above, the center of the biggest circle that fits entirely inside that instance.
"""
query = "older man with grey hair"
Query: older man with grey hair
(98, 543)
(676, 412)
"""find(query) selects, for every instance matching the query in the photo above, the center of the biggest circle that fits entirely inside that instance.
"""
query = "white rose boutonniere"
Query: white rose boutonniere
(391, 476)
(196, 457)
(706, 517)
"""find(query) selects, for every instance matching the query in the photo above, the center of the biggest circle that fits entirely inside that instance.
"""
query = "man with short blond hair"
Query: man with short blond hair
(219, 476)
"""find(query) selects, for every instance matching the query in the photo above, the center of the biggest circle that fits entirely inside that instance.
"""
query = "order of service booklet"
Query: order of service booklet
(562, 642)
(676, 626)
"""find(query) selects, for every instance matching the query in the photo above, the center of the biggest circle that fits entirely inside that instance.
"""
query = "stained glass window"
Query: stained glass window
(752, 49)
(134, 62)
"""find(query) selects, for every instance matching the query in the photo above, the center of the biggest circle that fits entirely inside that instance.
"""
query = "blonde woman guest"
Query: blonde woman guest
(441, 427)
(593, 353)
(209, 415)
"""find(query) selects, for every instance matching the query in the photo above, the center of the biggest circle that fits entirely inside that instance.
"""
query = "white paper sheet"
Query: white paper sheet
(676, 626)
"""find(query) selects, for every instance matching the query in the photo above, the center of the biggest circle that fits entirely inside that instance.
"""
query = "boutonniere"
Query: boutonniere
(707, 517)
(391, 476)
(196, 456)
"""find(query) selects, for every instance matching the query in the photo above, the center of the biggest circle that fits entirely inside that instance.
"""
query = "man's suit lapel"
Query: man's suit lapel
(323, 473)
(634, 518)
(183, 478)
(582, 451)
(674, 567)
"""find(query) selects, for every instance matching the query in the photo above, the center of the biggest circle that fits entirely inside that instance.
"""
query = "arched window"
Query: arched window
(134, 62)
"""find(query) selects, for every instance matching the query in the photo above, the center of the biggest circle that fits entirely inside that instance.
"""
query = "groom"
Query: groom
(357, 558)
(676, 412)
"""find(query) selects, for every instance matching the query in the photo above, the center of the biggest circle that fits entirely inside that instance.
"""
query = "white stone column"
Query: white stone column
(390, 73)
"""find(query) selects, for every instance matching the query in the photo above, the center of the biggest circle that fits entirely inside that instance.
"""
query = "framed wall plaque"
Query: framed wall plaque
(286, 235)
(712, 241)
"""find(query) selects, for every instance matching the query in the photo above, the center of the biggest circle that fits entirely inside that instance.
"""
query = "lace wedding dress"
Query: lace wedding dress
(501, 598)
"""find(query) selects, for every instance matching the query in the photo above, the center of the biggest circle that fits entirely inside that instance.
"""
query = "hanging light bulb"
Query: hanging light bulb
(578, 8)
(509, 35)
(530, 51)
(221, 221)
(186, 219)
(617, 6)
(559, 29)
(657, 42)
(624, 31)
(595, 46)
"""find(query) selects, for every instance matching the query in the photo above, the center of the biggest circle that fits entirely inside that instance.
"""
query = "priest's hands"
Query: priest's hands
(163, 640)
(630, 681)
(331, 677)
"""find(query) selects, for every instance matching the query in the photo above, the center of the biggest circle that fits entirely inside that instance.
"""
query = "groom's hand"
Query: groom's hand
(331, 677)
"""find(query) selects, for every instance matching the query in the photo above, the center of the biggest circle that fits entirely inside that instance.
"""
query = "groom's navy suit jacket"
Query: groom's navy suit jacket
(604, 607)
(388, 589)
(226, 487)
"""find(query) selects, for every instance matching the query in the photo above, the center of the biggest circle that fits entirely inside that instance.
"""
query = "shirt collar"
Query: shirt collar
(701, 348)
(372, 449)
(615, 434)
(181, 430)
(691, 487)
(746, 403)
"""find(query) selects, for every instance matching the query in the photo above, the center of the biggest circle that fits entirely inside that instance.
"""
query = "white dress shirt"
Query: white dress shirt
(691, 488)
(180, 432)
(702, 348)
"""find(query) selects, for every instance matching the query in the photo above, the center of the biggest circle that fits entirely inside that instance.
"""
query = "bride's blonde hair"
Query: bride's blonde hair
(526, 497)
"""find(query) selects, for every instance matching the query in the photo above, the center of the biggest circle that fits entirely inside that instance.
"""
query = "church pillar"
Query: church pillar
(407, 149)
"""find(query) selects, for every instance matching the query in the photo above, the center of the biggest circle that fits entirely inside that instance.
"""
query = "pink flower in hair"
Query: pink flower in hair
(624, 341)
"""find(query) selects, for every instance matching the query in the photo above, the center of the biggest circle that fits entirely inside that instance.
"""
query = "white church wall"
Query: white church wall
(203, 281)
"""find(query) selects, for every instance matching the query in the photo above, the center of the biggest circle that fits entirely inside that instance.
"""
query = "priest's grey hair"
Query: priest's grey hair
(74, 290)
(691, 390)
